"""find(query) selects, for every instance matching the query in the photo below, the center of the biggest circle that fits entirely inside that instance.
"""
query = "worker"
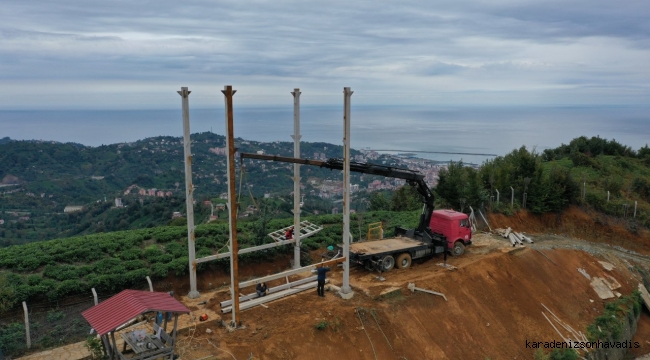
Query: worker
(261, 289)
(289, 234)
(321, 270)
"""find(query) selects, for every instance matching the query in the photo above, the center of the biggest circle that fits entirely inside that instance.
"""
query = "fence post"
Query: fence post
(95, 296)
(29, 339)
(150, 284)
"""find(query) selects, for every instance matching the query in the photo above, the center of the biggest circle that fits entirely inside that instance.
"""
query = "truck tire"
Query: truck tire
(403, 261)
(458, 249)
(387, 263)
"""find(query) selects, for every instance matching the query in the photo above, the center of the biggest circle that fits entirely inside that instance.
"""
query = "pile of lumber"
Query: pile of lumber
(516, 238)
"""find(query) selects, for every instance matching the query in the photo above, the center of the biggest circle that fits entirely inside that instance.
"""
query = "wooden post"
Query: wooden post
(29, 338)
(114, 346)
(228, 93)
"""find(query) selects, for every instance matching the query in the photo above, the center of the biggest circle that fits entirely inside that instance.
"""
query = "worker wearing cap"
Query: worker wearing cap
(321, 270)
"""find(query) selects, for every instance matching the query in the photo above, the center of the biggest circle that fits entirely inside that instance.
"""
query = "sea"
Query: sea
(448, 133)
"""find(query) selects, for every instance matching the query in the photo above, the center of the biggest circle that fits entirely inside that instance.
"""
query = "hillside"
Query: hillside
(39, 179)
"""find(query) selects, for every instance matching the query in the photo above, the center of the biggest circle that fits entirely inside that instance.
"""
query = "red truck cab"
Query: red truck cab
(455, 227)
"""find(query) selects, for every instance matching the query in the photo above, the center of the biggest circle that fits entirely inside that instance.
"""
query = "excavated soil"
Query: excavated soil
(494, 299)
(494, 305)
(576, 223)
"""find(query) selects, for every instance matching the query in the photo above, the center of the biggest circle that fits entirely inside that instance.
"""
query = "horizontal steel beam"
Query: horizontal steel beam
(289, 272)
(246, 250)
(272, 290)
(272, 297)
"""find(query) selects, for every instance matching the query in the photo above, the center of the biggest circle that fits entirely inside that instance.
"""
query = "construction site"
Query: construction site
(457, 286)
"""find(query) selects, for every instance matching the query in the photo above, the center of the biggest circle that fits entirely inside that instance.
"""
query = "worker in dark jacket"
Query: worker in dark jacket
(321, 270)
(261, 289)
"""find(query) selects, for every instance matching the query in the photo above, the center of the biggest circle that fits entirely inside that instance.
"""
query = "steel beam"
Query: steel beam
(189, 190)
(296, 176)
(246, 250)
(289, 272)
(228, 93)
(272, 297)
(272, 290)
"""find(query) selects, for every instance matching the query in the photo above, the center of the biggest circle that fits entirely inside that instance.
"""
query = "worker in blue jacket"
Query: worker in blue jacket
(321, 270)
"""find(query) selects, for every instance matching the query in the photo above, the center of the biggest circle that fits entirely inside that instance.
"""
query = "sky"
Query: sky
(74, 54)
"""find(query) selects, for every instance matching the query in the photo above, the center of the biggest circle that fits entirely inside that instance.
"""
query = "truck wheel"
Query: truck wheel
(403, 261)
(387, 263)
(458, 249)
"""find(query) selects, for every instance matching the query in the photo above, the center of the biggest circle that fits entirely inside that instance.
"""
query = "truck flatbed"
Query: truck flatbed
(377, 247)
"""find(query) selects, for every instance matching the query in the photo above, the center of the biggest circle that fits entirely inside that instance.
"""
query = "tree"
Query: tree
(378, 201)
(406, 198)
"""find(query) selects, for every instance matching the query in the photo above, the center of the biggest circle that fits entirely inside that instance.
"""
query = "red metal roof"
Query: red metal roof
(449, 214)
(128, 304)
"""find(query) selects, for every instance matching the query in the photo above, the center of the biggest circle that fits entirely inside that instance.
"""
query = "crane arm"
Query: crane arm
(412, 177)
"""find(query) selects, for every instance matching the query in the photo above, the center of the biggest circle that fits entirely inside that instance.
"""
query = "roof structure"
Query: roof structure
(109, 314)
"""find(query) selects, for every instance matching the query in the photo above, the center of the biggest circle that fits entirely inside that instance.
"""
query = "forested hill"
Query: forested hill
(78, 173)
(38, 179)
(599, 174)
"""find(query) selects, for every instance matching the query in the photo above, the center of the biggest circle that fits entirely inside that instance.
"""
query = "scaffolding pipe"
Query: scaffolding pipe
(289, 272)
(246, 250)
(228, 93)
(272, 290)
(189, 190)
(296, 177)
(347, 94)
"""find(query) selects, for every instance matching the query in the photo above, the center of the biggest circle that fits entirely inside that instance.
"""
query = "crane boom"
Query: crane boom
(412, 177)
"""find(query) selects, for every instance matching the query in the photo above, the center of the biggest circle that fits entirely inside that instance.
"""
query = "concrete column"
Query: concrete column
(27, 336)
(189, 191)
(346, 291)
(95, 296)
(296, 177)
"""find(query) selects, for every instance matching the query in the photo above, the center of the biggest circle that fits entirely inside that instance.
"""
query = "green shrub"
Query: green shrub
(12, 338)
(54, 316)
(321, 325)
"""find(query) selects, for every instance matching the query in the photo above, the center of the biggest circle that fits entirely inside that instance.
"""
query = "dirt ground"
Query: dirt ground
(494, 305)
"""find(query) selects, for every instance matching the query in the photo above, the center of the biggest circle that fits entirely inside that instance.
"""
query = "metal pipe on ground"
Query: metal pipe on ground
(272, 297)
(272, 290)
(289, 272)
